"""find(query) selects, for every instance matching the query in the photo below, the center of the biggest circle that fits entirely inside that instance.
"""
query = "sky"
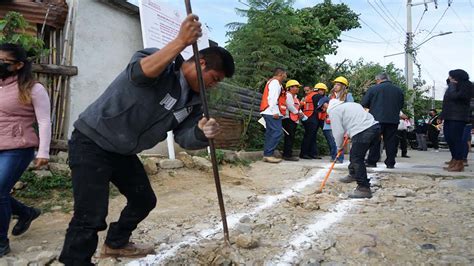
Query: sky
(382, 32)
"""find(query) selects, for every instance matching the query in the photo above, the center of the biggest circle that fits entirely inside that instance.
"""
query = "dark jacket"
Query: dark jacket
(385, 101)
(135, 112)
(421, 127)
(456, 102)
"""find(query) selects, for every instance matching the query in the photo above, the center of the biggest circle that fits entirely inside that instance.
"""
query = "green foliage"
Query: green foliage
(13, 29)
(47, 192)
(43, 187)
(219, 155)
(361, 76)
(278, 35)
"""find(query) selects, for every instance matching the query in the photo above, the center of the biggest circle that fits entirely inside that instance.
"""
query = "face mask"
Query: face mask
(4, 70)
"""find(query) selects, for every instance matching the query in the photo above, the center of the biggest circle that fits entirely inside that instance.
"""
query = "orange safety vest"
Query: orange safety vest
(282, 103)
(295, 117)
(309, 106)
(264, 103)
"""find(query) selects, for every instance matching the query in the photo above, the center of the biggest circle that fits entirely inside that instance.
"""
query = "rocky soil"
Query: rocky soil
(275, 217)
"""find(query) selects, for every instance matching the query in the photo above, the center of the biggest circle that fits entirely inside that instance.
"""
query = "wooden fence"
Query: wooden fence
(233, 105)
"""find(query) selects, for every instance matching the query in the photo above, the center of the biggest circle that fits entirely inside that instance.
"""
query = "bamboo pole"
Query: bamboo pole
(62, 62)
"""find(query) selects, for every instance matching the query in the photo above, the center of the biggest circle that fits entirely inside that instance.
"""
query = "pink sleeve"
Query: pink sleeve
(42, 106)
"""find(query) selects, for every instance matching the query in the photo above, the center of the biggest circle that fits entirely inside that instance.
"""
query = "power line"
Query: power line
(362, 40)
(419, 21)
(459, 18)
(376, 33)
(382, 16)
(442, 16)
(389, 17)
(393, 17)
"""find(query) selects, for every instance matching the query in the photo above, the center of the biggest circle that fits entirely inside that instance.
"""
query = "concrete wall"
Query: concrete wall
(104, 40)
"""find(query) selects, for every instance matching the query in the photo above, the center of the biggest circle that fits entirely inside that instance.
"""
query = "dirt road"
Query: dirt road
(418, 214)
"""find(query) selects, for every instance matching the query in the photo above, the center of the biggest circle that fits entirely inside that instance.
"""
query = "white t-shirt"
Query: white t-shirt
(274, 90)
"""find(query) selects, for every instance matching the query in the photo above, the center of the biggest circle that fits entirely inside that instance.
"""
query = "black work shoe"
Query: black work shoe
(305, 157)
(347, 179)
(390, 166)
(371, 165)
(4, 247)
(291, 158)
(24, 223)
(405, 156)
(361, 193)
(315, 157)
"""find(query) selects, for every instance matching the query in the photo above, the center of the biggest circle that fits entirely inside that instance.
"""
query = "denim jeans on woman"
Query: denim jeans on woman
(453, 131)
(466, 137)
(12, 165)
(332, 145)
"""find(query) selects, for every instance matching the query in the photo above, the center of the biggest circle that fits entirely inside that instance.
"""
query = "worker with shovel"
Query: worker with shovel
(157, 92)
(360, 126)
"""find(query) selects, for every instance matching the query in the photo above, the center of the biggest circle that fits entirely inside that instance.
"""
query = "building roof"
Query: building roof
(35, 12)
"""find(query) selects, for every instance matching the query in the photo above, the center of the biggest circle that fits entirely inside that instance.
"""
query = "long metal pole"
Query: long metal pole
(202, 92)
(409, 58)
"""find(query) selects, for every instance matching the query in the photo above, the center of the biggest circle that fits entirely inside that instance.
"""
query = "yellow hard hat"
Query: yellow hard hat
(292, 82)
(342, 80)
(321, 86)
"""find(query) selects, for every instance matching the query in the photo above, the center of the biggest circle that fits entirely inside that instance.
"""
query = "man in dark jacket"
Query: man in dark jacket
(384, 102)
(157, 92)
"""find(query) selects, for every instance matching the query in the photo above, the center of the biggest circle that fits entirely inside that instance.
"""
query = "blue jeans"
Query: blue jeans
(332, 145)
(12, 165)
(273, 134)
(466, 136)
(453, 131)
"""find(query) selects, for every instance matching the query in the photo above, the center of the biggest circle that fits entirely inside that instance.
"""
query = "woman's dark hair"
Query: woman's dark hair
(459, 75)
(25, 75)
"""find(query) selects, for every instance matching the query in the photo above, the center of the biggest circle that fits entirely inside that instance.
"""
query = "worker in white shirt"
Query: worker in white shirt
(270, 111)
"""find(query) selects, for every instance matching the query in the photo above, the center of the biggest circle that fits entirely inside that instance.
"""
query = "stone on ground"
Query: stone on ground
(171, 164)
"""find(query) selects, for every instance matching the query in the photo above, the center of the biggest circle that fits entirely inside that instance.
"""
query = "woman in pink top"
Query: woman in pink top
(23, 101)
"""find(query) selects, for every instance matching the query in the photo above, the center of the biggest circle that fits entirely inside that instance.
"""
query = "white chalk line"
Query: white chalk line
(313, 232)
(232, 221)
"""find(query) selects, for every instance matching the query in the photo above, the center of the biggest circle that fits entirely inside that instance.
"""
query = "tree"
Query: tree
(361, 76)
(278, 35)
(13, 30)
(259, 45)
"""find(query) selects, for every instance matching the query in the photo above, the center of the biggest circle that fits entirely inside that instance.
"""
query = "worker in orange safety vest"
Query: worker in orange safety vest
(291, 117)
(270, 110)
(311, 125)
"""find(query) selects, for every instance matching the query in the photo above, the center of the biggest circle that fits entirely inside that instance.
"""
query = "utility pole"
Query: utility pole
(409, 58)
(409, 51)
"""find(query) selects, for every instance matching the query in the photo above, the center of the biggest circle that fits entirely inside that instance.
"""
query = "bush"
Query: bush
(43, 187)
(13, 30)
